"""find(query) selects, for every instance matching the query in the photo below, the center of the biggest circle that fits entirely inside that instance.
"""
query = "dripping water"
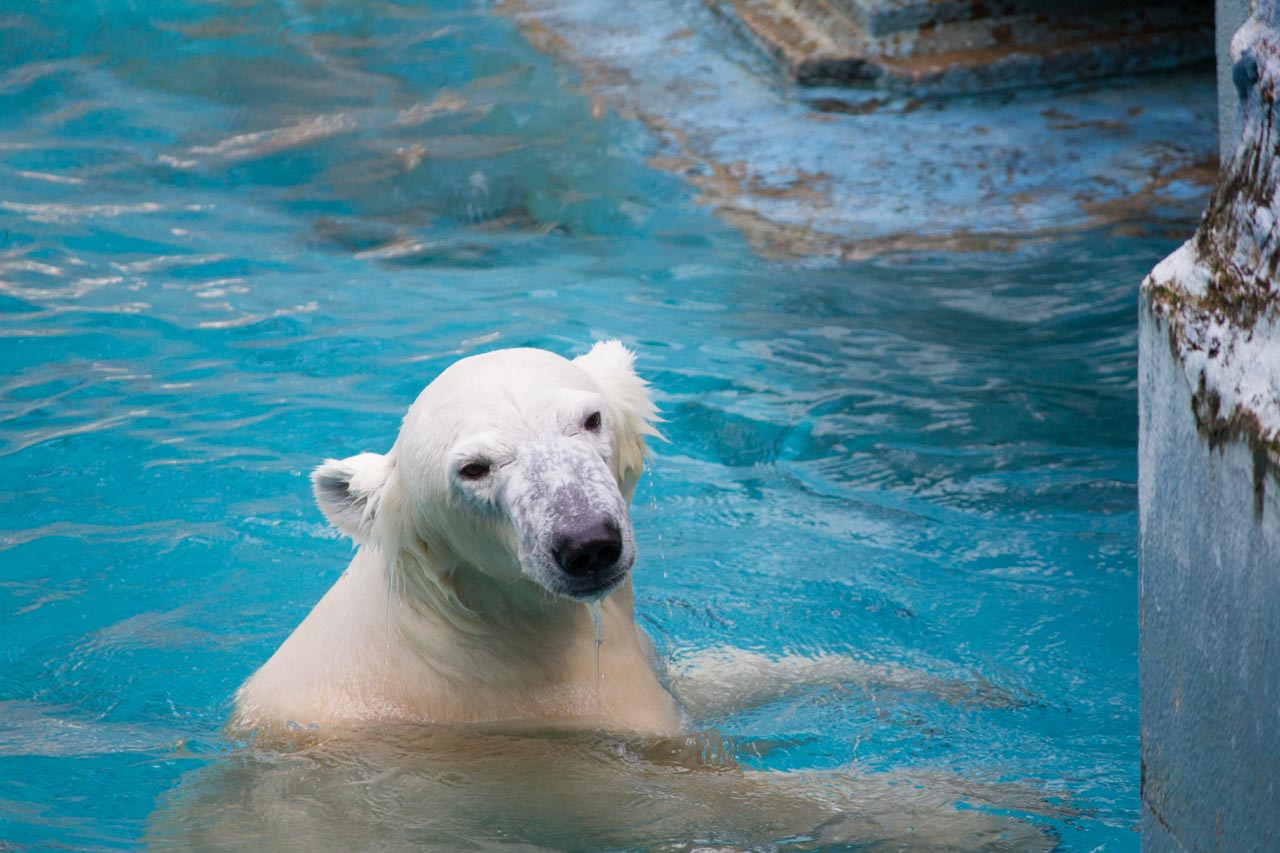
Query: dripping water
(391, 583)
(593, 607)
(651, 472)
(386, 639)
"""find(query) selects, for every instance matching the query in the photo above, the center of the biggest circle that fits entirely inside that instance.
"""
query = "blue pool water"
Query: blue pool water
(238, 238)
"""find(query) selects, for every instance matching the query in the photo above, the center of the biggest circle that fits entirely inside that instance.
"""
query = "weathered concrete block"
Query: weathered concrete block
(1209, 495)
(1210, 622)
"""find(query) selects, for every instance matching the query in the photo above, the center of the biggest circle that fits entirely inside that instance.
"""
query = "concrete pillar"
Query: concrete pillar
(1209, 490)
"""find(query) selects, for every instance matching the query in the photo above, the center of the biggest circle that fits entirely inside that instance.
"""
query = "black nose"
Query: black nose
(588, 547)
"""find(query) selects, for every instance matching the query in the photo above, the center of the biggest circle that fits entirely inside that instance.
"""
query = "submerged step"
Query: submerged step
(970, 45)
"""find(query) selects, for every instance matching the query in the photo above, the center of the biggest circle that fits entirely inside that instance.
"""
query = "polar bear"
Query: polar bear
(497, 519)
(499, 513)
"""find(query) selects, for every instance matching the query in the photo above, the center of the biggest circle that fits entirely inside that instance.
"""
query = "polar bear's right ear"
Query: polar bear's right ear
(631, 410)
(349, 491)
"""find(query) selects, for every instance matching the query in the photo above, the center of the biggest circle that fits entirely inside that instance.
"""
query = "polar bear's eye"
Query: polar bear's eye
(474, 471)
(592, 423)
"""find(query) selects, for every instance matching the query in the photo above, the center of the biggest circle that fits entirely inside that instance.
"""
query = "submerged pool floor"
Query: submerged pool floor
(238, 239)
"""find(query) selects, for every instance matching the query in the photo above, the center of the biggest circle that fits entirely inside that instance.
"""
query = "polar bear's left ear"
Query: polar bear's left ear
(350, 490)
(632, 413)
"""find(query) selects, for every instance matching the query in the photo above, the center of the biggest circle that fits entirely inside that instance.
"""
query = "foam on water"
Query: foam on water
(237, 240)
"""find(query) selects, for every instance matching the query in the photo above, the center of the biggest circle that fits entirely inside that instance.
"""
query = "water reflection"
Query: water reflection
(432, 788)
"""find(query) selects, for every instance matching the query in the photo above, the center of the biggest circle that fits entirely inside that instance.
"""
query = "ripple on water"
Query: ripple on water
(234, 243)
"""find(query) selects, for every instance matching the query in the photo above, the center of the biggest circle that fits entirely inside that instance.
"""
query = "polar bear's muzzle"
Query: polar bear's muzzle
(571, 520)
(592, 556)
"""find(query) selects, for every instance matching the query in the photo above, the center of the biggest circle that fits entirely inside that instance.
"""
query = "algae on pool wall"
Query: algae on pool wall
(1209, 495)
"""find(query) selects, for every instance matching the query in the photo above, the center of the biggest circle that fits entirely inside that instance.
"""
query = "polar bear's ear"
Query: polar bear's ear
(632, 413)
(349, 491)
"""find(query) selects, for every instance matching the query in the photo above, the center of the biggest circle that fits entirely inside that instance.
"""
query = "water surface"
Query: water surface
(237, 239)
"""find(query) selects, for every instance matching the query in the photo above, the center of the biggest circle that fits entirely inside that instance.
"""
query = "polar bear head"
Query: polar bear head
(518, 465)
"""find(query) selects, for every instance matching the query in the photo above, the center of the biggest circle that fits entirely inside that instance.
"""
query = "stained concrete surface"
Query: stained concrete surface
(1209, 463)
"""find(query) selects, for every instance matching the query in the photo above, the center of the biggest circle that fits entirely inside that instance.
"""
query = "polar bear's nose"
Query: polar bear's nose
(589, 546)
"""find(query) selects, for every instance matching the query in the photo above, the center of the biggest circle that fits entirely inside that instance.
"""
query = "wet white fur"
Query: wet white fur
(451, 610)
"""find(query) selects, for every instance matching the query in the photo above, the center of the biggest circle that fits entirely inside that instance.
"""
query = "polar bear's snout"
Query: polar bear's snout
(570, 517)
